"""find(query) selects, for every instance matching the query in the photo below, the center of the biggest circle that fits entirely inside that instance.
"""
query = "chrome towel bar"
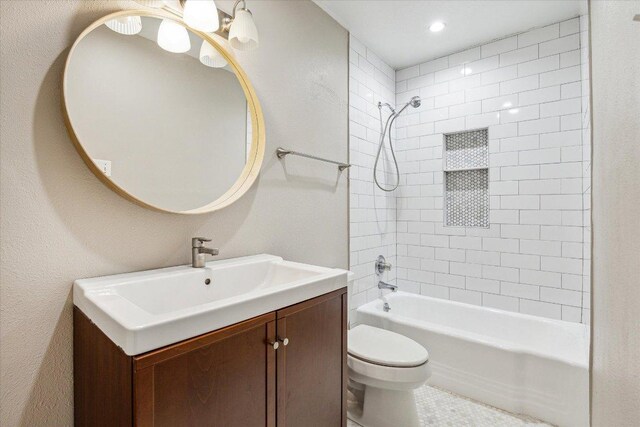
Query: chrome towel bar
(281, 152)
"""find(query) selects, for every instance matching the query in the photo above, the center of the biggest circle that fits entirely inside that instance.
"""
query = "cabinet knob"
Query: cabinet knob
(284, 341)
(274, 344)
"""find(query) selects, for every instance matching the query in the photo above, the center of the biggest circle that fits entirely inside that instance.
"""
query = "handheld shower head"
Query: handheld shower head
(414, 102)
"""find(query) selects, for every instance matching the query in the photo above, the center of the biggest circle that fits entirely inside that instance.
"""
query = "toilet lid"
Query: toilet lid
(383, 347)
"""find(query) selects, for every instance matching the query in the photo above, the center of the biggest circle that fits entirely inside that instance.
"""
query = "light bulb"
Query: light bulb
(201, 15)
(210, 56)
(243, 34)
(173, 37)
(127, 25)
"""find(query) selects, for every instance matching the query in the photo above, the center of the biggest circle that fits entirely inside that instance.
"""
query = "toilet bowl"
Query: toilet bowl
(384, 369)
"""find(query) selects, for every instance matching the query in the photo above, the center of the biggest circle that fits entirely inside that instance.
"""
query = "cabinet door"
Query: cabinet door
(225, 378)
(312, 366)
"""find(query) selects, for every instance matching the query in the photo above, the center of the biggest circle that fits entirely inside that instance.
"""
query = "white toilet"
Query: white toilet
(384, 369)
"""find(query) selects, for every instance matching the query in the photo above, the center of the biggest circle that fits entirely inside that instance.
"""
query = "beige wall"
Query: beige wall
(59, 223)
(616, 206)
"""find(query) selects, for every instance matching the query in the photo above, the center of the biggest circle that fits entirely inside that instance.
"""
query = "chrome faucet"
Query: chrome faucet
(383, 285)
(198, 251)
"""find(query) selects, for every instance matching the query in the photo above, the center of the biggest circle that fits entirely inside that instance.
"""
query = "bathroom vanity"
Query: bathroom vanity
(284, 366)
(252, 341)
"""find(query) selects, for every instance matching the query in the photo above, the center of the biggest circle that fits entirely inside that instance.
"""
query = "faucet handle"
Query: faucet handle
(382, 265)
(197, 242)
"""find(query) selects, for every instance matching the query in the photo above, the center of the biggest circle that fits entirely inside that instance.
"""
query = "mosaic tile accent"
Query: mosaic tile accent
(466, 186)
(467, 150)
(439, 408)
(467, 198)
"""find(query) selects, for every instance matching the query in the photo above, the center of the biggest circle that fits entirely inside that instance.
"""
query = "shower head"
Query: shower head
(414, 102)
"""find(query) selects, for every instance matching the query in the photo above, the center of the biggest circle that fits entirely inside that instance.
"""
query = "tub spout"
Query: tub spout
(383, 285)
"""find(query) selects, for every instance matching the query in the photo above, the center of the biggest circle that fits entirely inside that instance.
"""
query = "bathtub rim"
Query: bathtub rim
(371, 308)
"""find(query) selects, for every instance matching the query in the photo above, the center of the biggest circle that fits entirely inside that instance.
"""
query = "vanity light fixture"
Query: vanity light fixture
(201, 15)
(127, 25)
(173, 37)
(243, 34)
(210, 56)
(437, 26)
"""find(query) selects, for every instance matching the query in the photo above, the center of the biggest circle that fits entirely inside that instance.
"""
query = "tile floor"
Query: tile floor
(438, 408)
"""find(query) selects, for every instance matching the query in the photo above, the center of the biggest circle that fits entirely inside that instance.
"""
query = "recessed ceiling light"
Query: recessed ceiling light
(436, 26)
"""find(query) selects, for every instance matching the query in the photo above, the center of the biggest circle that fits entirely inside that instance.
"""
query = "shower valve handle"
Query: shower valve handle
(382, 265)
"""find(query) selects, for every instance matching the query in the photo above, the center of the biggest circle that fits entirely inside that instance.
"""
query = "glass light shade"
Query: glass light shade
(201, 15)
(127, 25)
(210, 56)
(173, 37)
(243, 34)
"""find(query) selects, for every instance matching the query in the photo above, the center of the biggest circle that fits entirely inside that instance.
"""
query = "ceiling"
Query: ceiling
(397, 31)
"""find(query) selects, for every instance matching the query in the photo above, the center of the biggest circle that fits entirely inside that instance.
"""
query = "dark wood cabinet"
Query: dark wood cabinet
(309, 392)
(229, 377)
(224, 378)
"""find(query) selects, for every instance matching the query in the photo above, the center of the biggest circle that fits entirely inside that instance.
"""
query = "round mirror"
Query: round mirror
(162, 113)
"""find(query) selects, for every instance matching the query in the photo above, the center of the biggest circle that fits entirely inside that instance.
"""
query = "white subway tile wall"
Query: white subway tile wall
(373, 211)
(531, 91)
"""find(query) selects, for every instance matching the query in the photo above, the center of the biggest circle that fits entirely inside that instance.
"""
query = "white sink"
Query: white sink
(149, 309)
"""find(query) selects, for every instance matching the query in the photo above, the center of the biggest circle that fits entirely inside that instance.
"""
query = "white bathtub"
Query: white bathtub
(520, 363)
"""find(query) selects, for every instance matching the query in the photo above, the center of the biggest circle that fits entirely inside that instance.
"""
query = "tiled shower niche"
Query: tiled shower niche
(466, 177)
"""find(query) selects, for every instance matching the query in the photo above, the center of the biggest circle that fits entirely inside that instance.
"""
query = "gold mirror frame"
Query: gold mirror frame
(256, 154)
